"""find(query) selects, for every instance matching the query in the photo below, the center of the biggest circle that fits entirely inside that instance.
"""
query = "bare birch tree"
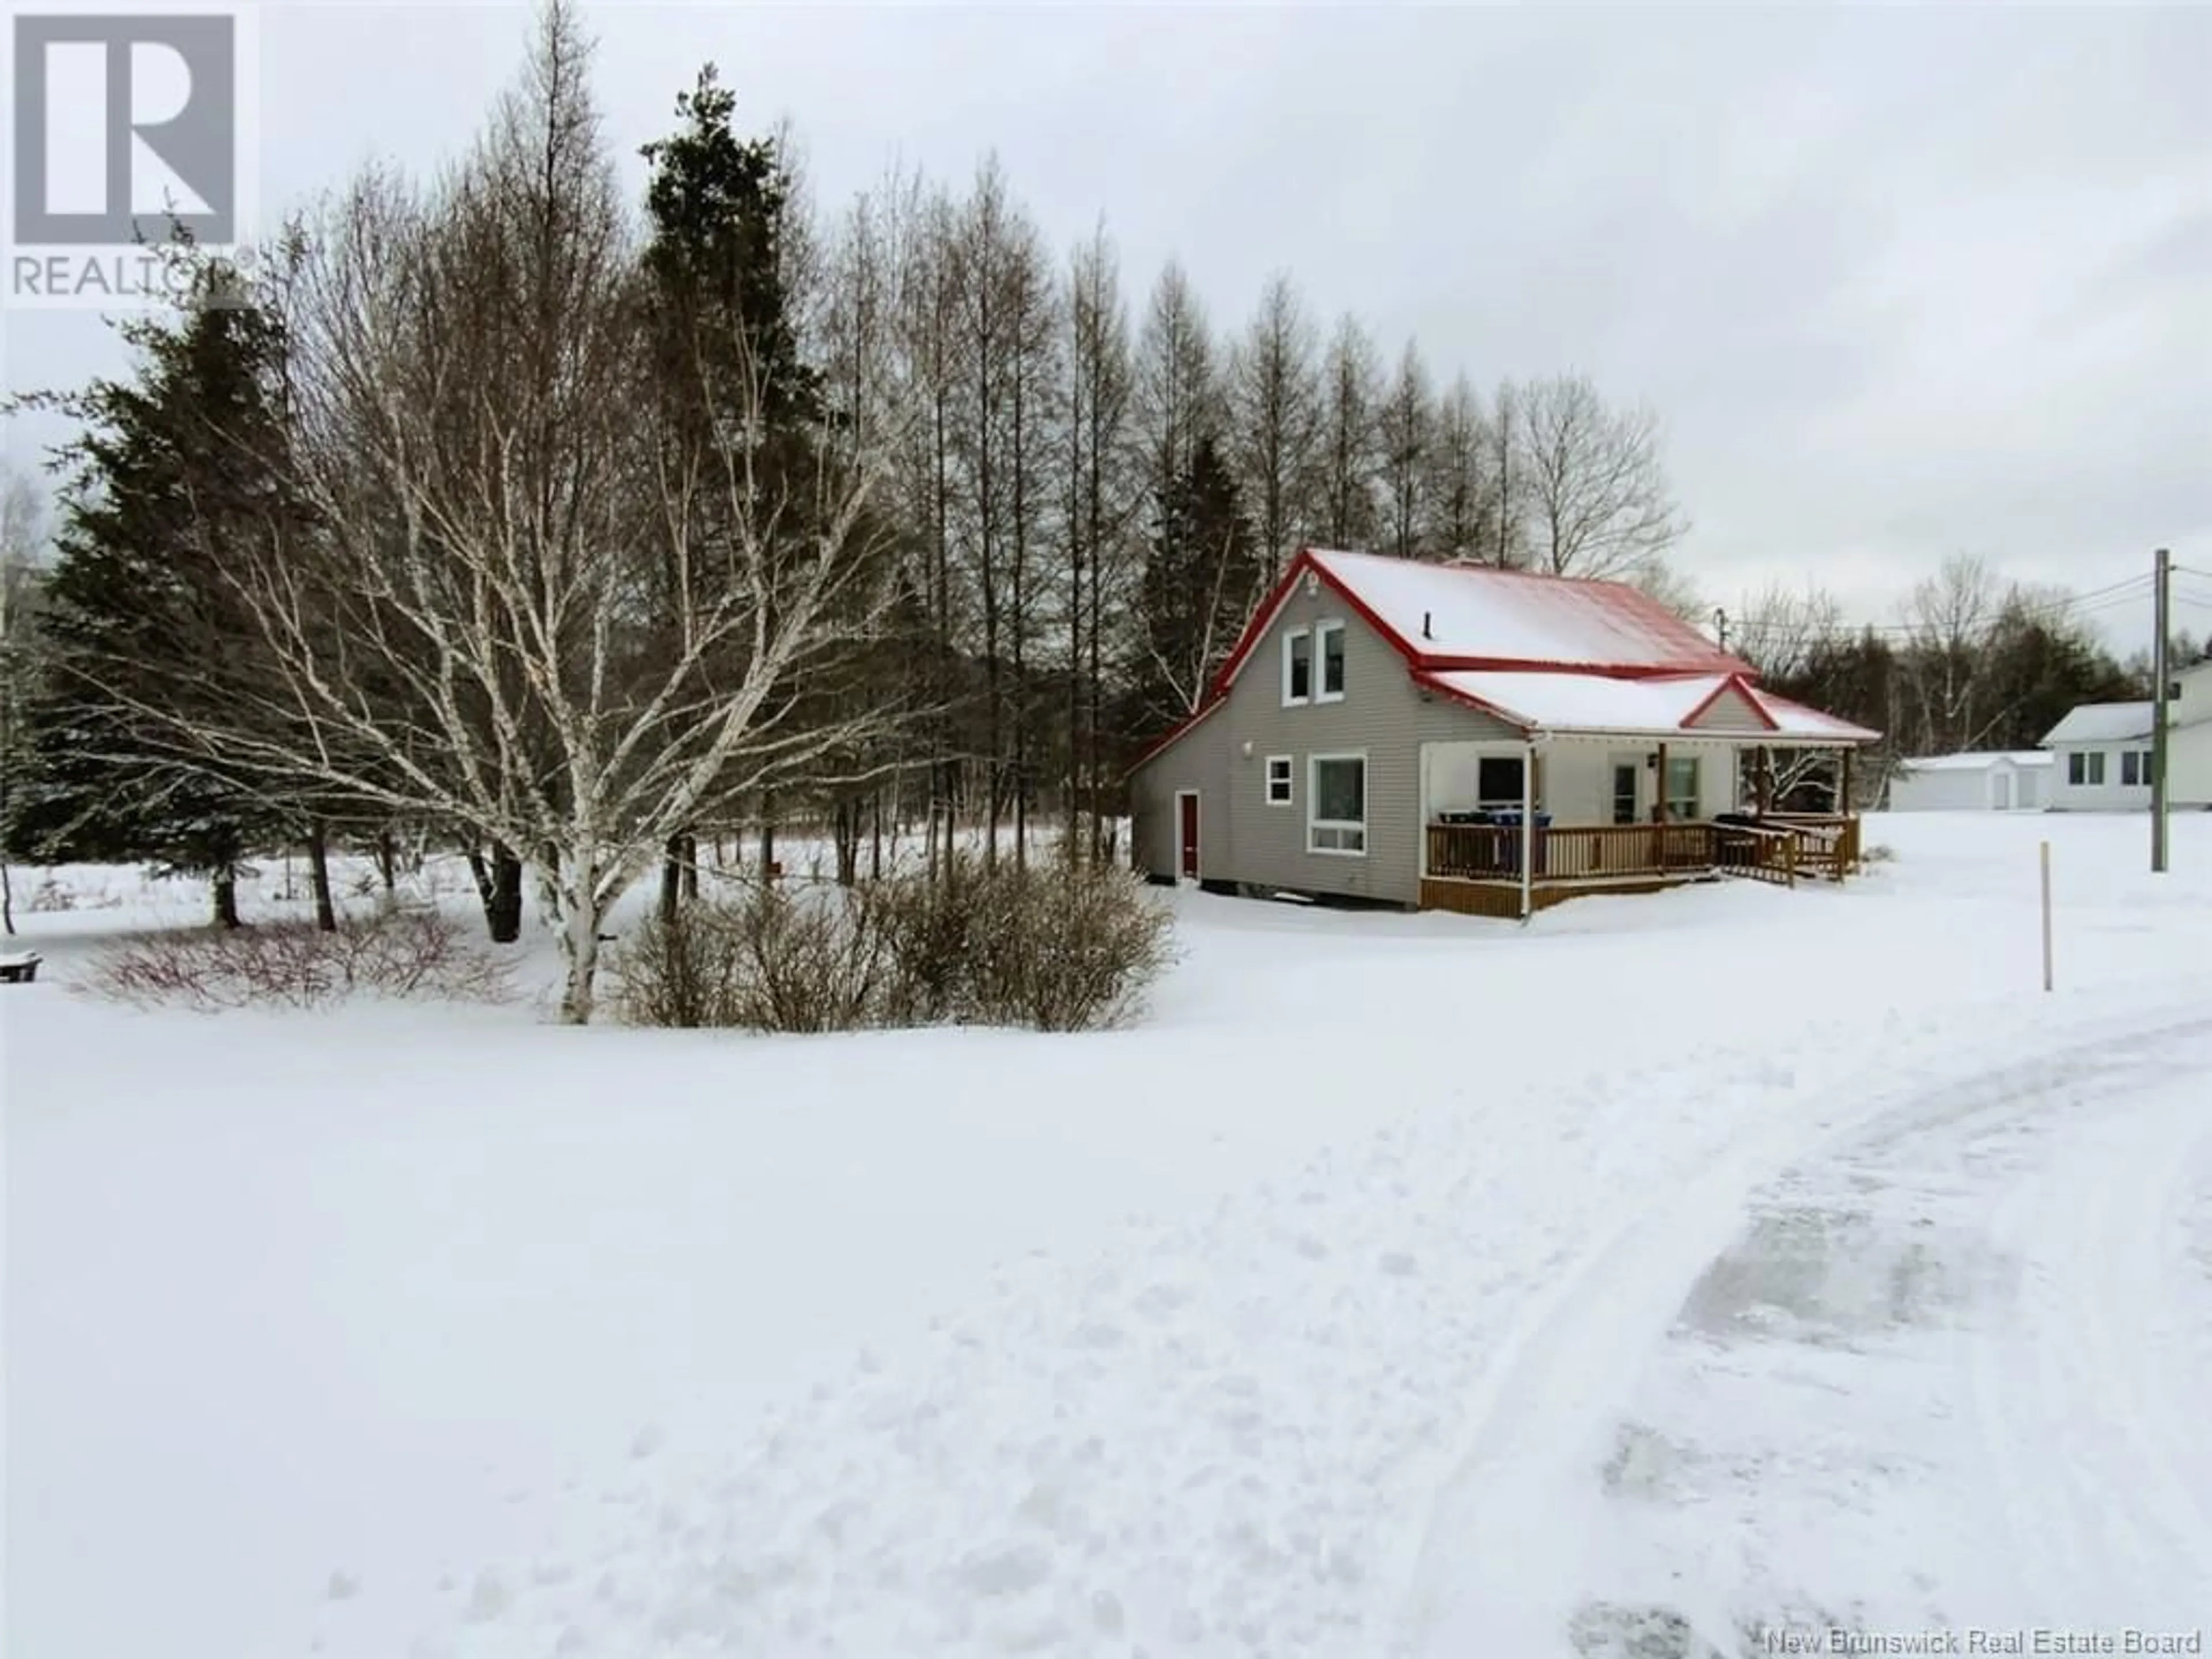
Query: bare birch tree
(475, 629)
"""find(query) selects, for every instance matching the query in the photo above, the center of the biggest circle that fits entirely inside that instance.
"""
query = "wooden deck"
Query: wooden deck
(1475, 869)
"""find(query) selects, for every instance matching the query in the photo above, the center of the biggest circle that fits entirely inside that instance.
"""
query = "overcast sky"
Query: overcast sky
(1900, 283)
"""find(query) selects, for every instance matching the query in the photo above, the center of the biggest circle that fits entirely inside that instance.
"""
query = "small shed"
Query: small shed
(1999, 781)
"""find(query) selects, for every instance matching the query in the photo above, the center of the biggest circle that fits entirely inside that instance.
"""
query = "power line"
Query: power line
(2096, 602)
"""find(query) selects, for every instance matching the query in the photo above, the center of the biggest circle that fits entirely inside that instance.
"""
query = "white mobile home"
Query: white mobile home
(1997, 781)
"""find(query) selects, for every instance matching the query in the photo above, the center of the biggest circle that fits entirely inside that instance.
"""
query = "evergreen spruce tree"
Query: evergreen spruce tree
(1202, 573)
(174, 467)
(718, 210)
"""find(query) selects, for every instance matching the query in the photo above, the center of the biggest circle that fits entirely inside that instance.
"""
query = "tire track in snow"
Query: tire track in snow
(1215, 1439)
(2090, 1444)
(1498, 1569)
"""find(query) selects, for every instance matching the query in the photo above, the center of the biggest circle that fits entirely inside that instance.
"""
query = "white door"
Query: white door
(2001, 791)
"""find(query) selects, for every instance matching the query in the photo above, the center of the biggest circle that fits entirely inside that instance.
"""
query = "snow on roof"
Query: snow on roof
(1475, 614)
(1979, 761)
(1642, 706)
(1795, 720)
(2102, 722)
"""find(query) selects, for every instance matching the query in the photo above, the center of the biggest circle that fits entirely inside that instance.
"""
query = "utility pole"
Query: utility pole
(2162, 611)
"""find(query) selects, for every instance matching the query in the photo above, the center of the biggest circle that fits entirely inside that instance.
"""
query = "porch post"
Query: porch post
(1847, 837)
(1763, 780)
(1421, 827)
(1528, 829)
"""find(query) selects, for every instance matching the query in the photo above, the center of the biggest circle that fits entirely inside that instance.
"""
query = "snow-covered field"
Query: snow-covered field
(1404, 1285)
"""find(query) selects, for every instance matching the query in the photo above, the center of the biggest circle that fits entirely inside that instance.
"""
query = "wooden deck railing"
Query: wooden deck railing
(1779, 850)
(1827, 842)
(1477, 852)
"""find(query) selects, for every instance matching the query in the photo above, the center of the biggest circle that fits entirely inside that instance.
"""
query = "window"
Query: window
(2142, 765)
(2131, 774)
(1497, 781)
(1328, 638)
(1279, 780)
(1336, 804)
(2084, 768)
(1682, 787)
(1297, 667)
(1623, 791)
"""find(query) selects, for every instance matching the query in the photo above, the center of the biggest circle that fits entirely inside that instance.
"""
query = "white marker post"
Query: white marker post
(2046, 915)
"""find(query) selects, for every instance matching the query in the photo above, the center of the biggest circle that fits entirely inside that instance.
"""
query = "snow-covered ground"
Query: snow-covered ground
(1414, 1285)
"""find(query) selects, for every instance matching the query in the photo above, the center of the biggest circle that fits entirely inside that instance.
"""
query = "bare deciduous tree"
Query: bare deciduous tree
(1405, 431)
(1949, 620)
(1346, 461)
(1274, 420)
(1178, 393)
(1673, 587)
(1458, 479)
(929, 348)
(1102, 567)
(1598, 500)
(1506, 497)
(1780, 630)
(1008, 381)
(472, 625)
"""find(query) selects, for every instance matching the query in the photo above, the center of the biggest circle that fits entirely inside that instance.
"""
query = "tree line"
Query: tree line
(1973, 662)
(489, 508)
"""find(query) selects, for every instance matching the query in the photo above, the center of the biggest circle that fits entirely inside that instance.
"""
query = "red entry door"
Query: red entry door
(1187, 841)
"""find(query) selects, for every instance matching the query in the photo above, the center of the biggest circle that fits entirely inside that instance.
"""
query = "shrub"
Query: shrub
(1062, 947)
(772, 958)
(416, 954)
(1055, 948)
(929, 928)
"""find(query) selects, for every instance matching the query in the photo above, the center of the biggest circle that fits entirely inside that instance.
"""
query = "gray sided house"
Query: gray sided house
(1382, 727)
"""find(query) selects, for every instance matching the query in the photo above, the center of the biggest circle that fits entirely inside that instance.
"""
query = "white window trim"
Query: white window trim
(1313, 795)
(1290, 764)
(1290, 644)
(1322, 631)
